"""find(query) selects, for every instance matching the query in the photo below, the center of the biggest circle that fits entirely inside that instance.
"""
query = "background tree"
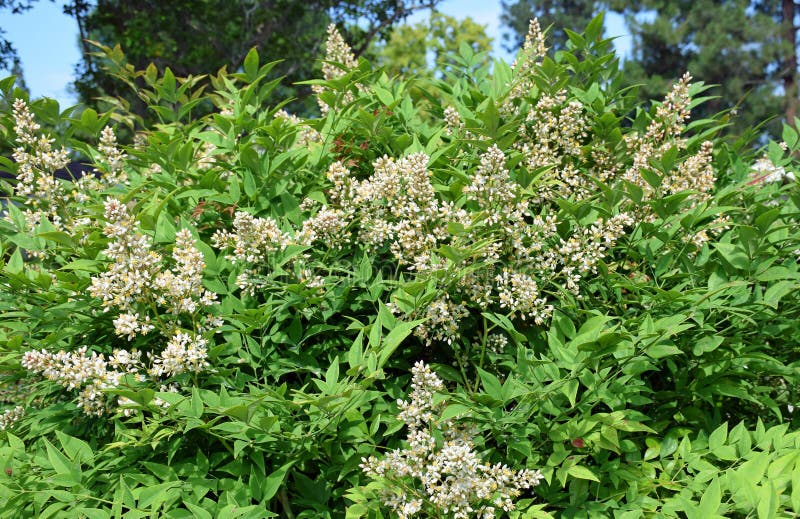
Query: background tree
(747, 48)
(738, 45)
(201, 36)
(195, 37)
(421, 48)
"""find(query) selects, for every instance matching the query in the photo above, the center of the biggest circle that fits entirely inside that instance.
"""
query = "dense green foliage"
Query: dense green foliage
(605, 290)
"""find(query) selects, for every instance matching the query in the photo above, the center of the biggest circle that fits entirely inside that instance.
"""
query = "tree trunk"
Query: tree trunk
(790, 62)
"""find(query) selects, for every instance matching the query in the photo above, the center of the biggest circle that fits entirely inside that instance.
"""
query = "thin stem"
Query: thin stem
(283, 496)
(484, 341)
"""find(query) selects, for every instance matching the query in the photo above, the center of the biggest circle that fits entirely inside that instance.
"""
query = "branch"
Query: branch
(399, 14)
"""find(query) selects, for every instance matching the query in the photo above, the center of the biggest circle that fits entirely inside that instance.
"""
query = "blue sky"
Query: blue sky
(47, 40)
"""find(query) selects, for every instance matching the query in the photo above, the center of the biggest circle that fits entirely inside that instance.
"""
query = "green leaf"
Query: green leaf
(77, 449)
(491, 384)
(59, 237)
(62, 465)
(168, 82)
(250, 64)
(165, 229)
(92, 513)
(15, 263)
(197, 511)
(768, 501)
(355, 355)
(795, 496)
(668, 445)
(196, 404)
(332, 374)
(52, 510)
(733, 254)
(778, 291)
(394, 339)
(82, 264)
(384, 95)
(453, 410)
(789, 136)
(150, 74)
(707, 344)
(154, 496)
(581, 472)
(659, 351)
(249, 183)
(718, 437)
(356, 511)
(275, 480)
(594, 30)
(710, 501)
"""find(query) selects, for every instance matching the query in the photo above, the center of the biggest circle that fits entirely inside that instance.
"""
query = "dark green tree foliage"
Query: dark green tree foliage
(736, 45)
(559, 15)
(195, 37)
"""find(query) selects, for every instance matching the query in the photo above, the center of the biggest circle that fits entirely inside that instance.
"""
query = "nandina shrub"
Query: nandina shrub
(597, 299)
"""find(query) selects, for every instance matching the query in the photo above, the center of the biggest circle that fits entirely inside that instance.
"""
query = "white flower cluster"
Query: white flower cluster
(91, 373)
(445, 475)
(181, 289)
(552, 135)
(694, 174)
(584, 251)
(76, 370)
(397, 206)
(491, 187)
(45, 197)
(519, 293)
(327, 226)
(306, 135)
(442, 321)
(664, 132)
(10, 416)
(452, 120)
(528, 246)
(136, 278)
(184, 353)
(252, 242)
(531, 54)
(129, 278)
(136, 286)
(765, 172)
(36, 167)
(62, 203)
(497, 343)
(253, 239)
(129, 325)
(336, 51)
(113, 158)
